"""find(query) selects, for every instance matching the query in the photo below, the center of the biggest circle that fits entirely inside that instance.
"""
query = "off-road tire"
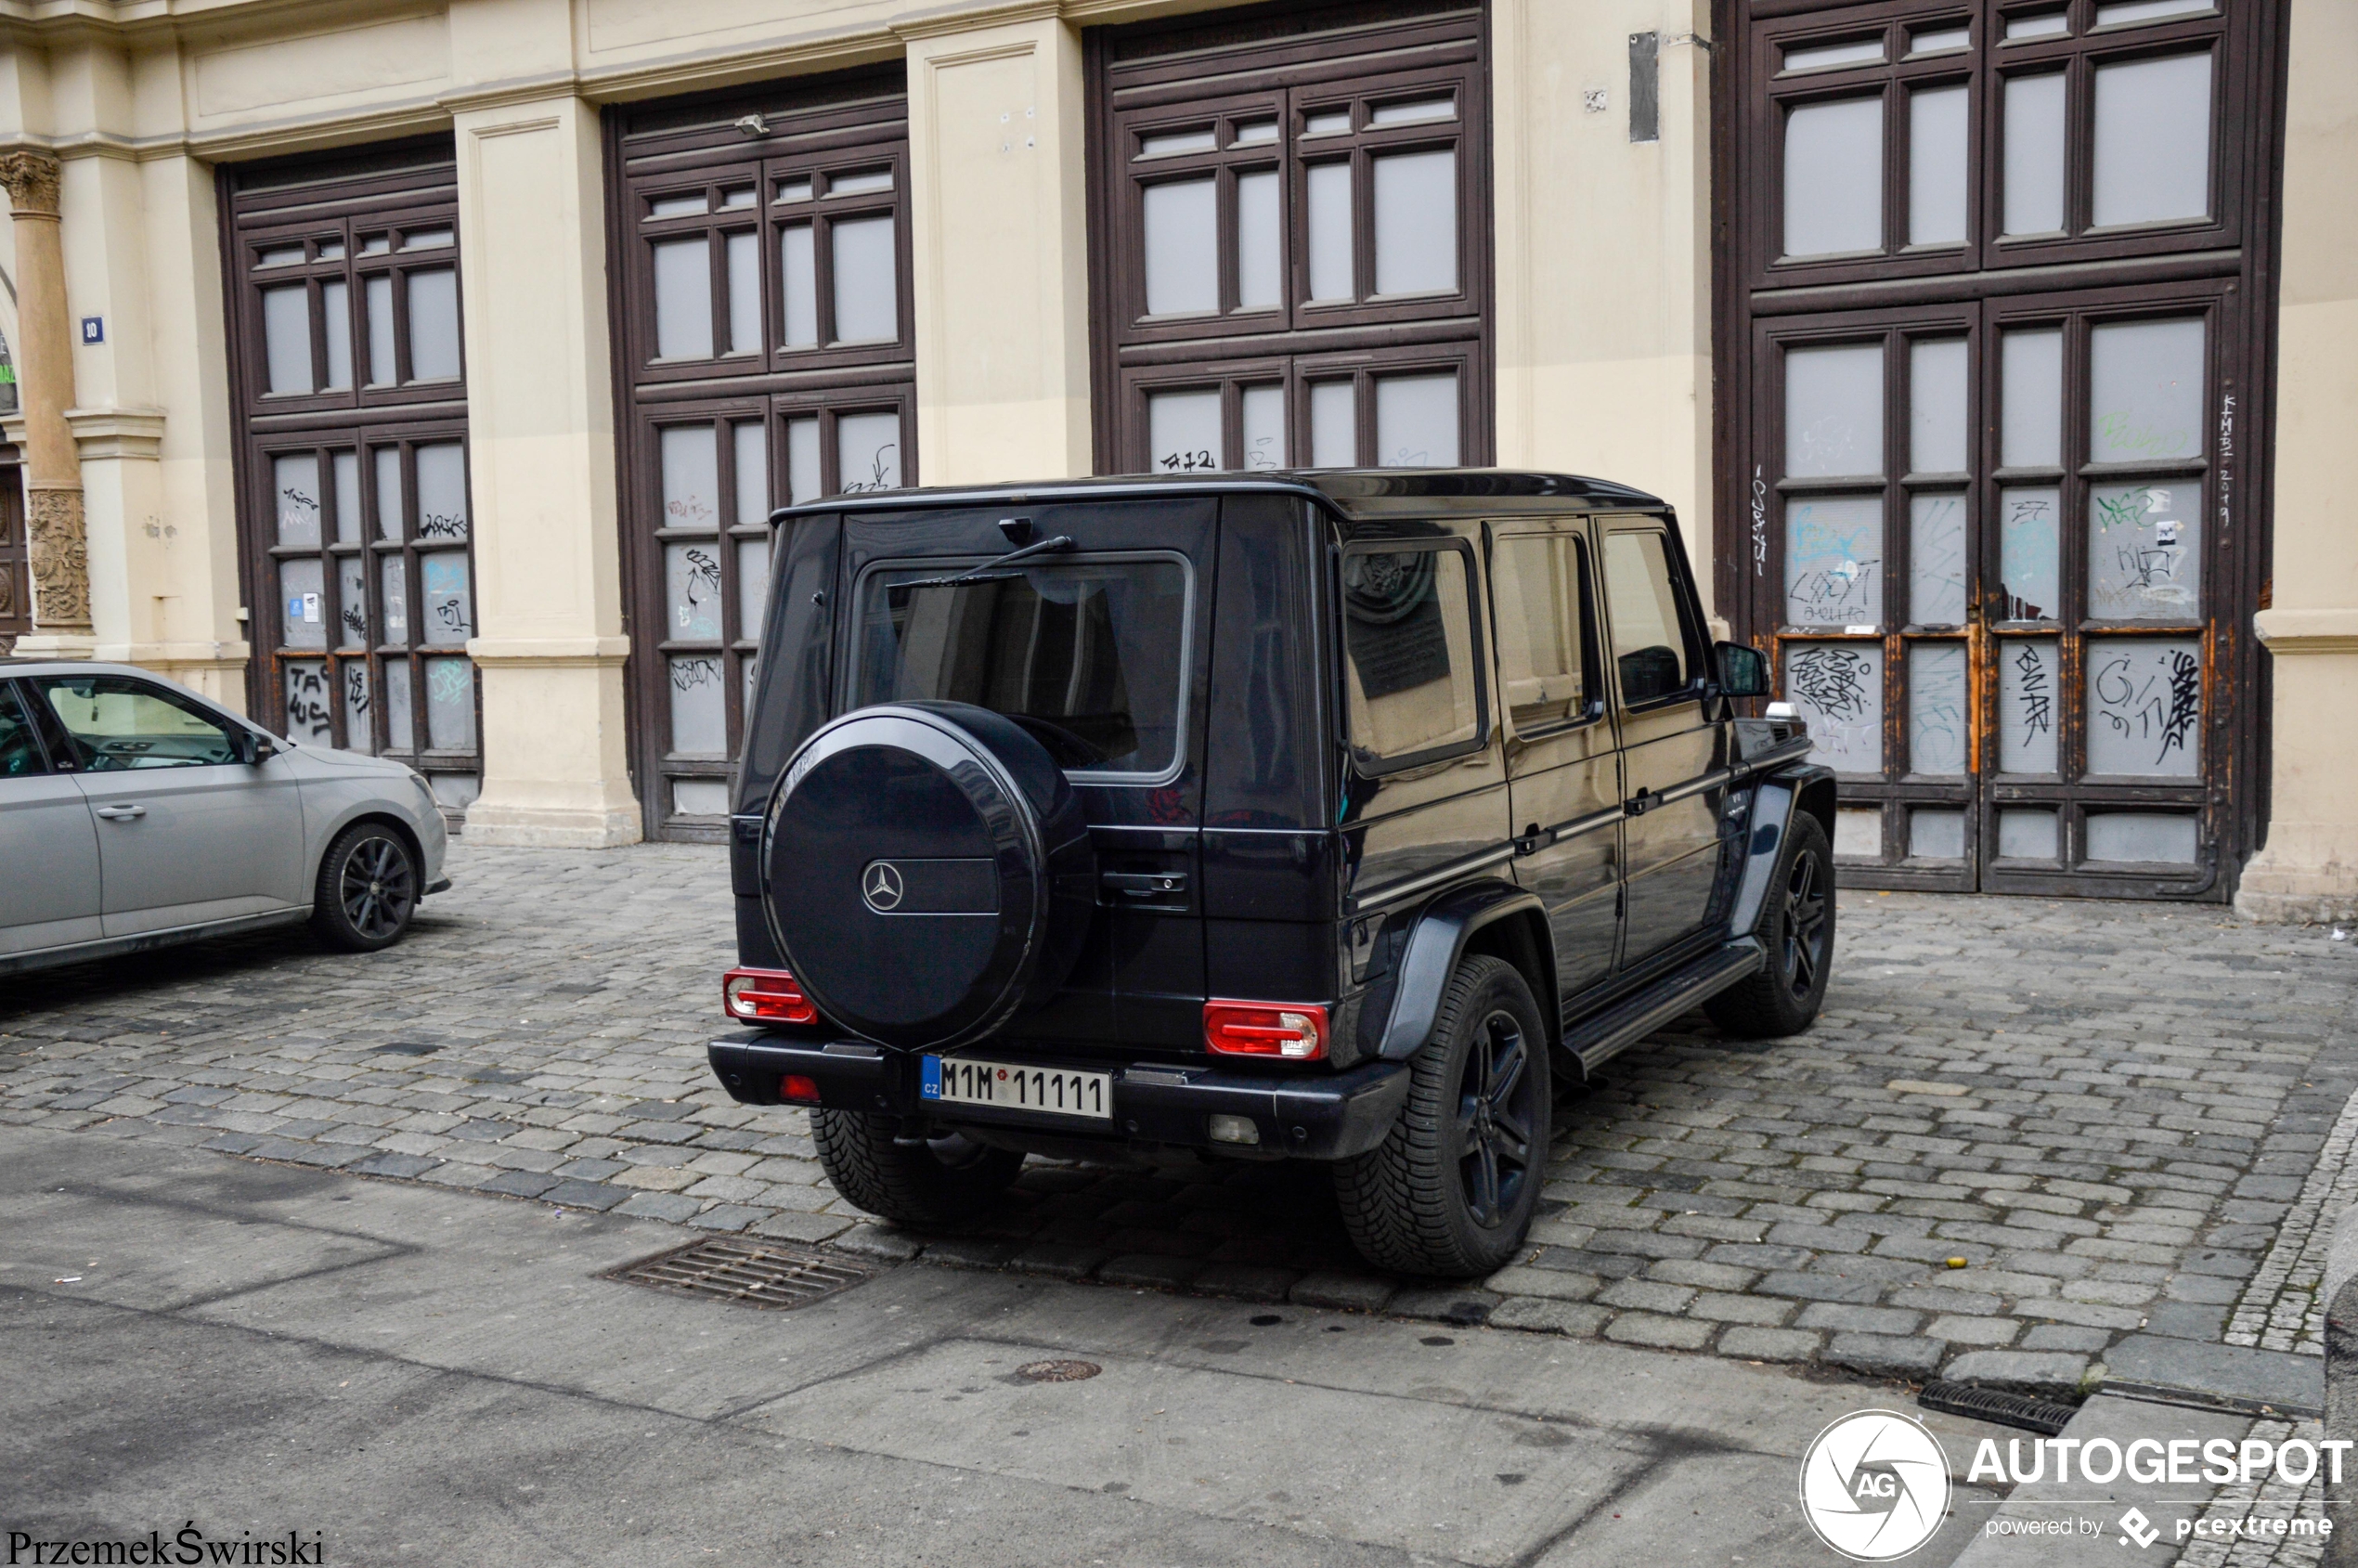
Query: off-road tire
(931, 1186)
(1797, 930)
(368, 889)
(1406, 1203)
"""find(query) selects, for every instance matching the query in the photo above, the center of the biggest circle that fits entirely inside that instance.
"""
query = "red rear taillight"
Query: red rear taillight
(1295, 1032)
(799, 1089)
(765, 996)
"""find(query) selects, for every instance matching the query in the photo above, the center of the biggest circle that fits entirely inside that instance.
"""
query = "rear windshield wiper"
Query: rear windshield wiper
(996, 571)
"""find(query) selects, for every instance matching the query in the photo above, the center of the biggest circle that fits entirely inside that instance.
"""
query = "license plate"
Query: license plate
(1047, 1090)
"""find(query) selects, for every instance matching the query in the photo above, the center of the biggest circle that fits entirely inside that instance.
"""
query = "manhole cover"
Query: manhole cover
(769, 1274)
(1058, 1371)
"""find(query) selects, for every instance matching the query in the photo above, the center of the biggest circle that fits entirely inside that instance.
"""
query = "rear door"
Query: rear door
(1563, 770)
(1670, 752)
(48, 842)
(1100, 651)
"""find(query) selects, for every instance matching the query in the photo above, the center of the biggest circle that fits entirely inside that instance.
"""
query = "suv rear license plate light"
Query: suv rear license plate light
(765, 996)
(1006, 1086)
(1294, 1031)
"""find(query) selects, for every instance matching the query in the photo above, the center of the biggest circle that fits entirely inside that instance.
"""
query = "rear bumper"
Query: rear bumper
(1329, 1116)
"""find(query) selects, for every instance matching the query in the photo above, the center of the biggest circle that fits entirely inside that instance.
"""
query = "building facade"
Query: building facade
(417, 377)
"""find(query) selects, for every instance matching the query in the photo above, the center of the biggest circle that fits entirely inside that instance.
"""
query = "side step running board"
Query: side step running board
(1623, 1025)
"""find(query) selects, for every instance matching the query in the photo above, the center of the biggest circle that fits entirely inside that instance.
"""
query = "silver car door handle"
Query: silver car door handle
(119, 813)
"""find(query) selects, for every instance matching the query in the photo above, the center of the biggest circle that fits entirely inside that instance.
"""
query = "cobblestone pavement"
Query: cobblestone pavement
(2114, 1113)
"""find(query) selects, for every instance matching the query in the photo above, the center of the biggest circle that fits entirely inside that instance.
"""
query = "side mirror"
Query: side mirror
(1742, 671)
(256, 749)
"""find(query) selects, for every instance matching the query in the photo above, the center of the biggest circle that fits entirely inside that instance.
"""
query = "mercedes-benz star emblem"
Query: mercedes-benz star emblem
(880, 885)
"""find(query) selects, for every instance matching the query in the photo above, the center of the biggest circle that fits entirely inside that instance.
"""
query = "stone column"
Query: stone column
(52, 468)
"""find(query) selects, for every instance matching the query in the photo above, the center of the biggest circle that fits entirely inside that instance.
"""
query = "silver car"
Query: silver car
(134, 814)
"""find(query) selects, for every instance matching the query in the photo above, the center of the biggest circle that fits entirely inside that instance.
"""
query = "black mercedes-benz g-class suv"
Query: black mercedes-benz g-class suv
(1331, 816)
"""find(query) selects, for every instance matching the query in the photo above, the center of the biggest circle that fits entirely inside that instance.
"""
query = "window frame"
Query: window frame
(1368, 764)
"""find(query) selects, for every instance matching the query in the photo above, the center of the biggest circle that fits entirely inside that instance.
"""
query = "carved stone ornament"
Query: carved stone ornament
(60, 563)
(31, 179)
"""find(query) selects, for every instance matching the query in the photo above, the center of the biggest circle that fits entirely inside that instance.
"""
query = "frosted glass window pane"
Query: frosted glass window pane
(2026, 706)
(752, 586)
(677, 206)
(1936, 833)
(352, 601)
(357, 725)
(426, 240)
(1255, 133)
(801, 286)
(294, 483)
(1936, 560)
(1939, 41)
(803, 479)
(1416, 421)
(1422, 111)
(442, 580)
(867, 288)
(699, 797)
(282, 256)
(1183, 257)
(2029, 556)
(393, 593)
(699, 708)
(2165, 837)
(868, 452)
(692, 592)
(450, 705)
(375, 245)
(400, 713)
(1833, 561)
(392, 515)
(1328, 122)
(794, 191)
(2030, 429)
(684, 299)
(442, 491)
(1834, 177)
(753, 471)
(335, 312)
(2053, 24)
(2153, 139)
(1176, 142)
(1416, 200)
(302, 603)
(347, 476)
(1329, 202)
(434, 325)
(1859, 832)
(1936, 709)
(2034, 168)
(744, 293)
(1260, 266)
(2145, 563)
(1937, 419)
(286, 338)
(2144, 390)
(1182, 432)
(1822, 56)
(2027, 834)
(2129, 12)
(378, 296)
(1834, 410)
(691, 478)
(1937, 166)
(310, 721)
(1838, 688)
(730, 201)
(1265, 427)
(866, 182)
(1334, 434)
(2145, 708)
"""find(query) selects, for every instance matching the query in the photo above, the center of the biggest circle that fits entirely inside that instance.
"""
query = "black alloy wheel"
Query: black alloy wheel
(1797, 934)
(1808, 928)
(368, 889)
(1494, 1118)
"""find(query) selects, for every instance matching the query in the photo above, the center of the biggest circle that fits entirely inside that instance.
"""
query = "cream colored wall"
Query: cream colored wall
(2310, 869)
(1603, 251)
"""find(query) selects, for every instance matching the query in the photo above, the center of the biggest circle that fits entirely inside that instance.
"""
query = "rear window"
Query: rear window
(1088, 654)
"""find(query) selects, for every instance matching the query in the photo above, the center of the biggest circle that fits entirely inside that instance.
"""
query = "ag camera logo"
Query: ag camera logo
(1875, 1485)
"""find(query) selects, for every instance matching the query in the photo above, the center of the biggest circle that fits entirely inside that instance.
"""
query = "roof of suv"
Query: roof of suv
(1353, 492)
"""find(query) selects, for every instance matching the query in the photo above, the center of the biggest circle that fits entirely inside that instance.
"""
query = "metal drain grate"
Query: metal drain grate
(767, 1273)
(1997, 1406)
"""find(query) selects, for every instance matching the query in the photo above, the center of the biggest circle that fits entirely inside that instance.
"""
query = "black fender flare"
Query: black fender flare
(1775, 798)
(1438, 940)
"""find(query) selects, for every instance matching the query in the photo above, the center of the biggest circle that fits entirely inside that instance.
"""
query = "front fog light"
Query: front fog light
(1235, 1130)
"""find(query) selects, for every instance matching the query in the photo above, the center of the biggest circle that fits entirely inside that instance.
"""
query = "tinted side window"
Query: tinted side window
(1538, 588)
(1408, 642)
(118, 724)
(20, 748)
(1649, 634)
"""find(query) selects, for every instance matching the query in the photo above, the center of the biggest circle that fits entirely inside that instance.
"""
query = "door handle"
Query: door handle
(1143, 884)
(1532, 839)
(119, 813)
(1640, 803)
